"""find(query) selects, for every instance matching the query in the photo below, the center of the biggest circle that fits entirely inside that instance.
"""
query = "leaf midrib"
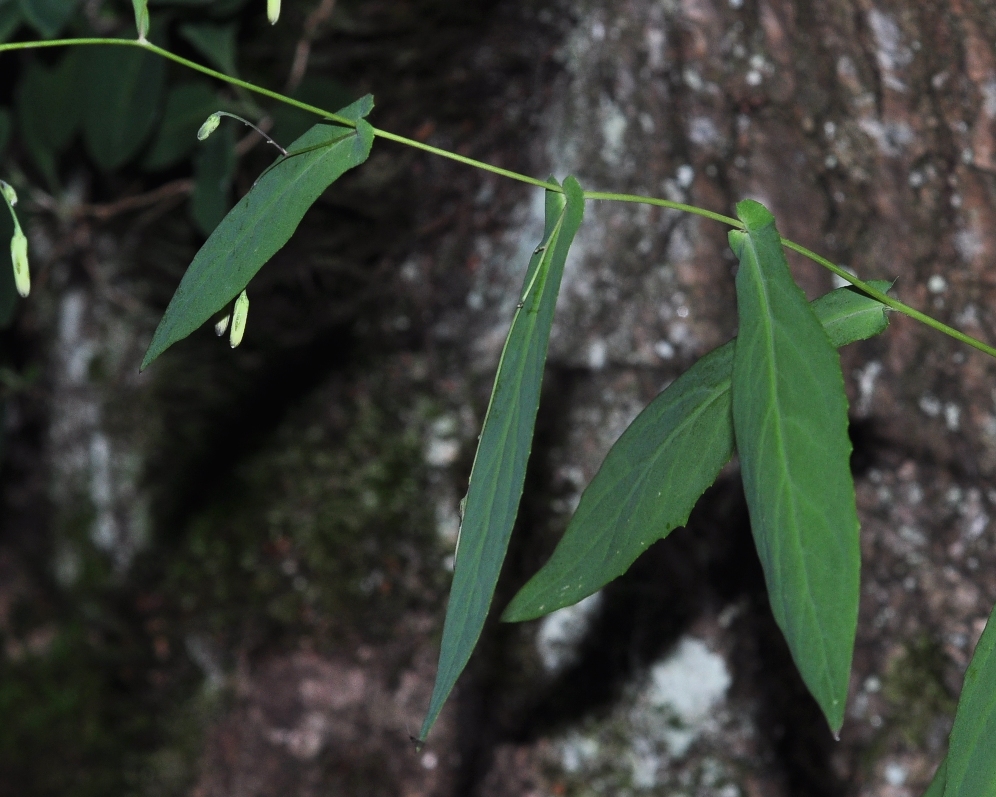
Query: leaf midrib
(766, 320)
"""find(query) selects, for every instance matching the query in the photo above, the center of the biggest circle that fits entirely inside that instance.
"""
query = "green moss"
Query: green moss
(914, 688)
(325, 525)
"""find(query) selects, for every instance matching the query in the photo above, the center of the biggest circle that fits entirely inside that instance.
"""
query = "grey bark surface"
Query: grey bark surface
(282, 552)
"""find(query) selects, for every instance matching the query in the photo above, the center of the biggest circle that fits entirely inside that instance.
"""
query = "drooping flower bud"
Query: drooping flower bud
(19, 256)
(273, 11)
(209, 126)
(221, 325)
(239, 315)
(8, 193)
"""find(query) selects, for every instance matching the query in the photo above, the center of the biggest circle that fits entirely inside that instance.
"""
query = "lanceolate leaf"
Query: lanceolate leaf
(262, 222)
(971, 762)
(790, 420)
(499, 469)
(656, 471)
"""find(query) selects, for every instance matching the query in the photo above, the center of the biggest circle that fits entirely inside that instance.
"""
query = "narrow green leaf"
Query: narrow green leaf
(124, 91)
(499, 470)
(141, 8)
(187, 106)
(261, 223)
(10, 20)
(214, 168)
(971, 762)
(48, 17)
(656, 471)
(936, 787)
(790, 420)
(215, 42)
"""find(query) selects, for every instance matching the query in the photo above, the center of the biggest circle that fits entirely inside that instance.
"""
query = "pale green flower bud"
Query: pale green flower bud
(239, 315)
(19, 256)
(273, 11)
(209, 126)
(8, 193)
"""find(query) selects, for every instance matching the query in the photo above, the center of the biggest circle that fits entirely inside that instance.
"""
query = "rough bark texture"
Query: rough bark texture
(268, 530)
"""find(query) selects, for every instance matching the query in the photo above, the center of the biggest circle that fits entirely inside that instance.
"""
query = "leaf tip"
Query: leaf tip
(754, 215)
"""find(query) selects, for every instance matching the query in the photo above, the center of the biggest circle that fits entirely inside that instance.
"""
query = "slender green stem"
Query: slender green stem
(888, 301)
(664, 203)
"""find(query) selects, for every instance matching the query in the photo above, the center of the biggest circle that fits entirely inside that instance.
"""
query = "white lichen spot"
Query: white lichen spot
(892, 55)
(895, 774)
(442, 447)
(969, 244)
(866, 385)
(562, 631)
(937, 284)
(952, 416)
(688, 683)
(598, 352)
(664, 350)
(702, 131)
(614, 126)
(576, 751)
(930, 405)
(989, 98)
(655, 48)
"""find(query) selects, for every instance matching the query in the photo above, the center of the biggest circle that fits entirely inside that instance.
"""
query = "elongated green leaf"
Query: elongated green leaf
(654, 474)
(262, 222)
(790, 420)
(971, 762)
(48, 17)
(124, 88)
(214, 168)
(187, 106)
(499, 469)
(215, 42)
(936, 787)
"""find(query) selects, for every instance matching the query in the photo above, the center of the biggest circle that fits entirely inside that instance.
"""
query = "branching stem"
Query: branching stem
(888, 301)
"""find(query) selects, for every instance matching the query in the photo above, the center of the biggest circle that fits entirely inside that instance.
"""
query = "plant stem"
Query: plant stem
(888, 301)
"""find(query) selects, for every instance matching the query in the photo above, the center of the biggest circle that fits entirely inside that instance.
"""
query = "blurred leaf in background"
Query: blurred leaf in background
(214, 169)
(187, 106)
(49, 104)
(215, 42)
(10, 19)
(124, 88)
(48, 17)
